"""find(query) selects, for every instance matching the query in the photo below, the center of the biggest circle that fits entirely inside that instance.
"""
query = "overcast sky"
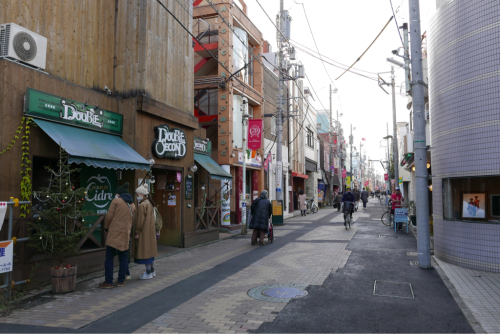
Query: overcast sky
(343, 29)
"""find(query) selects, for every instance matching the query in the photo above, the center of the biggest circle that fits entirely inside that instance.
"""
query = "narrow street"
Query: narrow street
(231, 286)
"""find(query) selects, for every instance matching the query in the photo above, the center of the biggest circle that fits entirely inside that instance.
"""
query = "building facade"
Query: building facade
(464, 81)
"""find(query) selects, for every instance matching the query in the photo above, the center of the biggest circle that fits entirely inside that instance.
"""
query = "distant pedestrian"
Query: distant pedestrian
(117, 226)
(338, 200)
(364, 197)
(302, 203)
(397, 199)
(145, 232)
(261, 213)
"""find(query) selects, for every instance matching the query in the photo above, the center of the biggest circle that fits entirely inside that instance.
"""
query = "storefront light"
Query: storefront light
(193, 168)
(428, 165)
(430, 187)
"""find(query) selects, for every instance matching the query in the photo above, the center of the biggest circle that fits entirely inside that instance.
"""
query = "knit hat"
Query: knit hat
(122, 189)
(143, 189)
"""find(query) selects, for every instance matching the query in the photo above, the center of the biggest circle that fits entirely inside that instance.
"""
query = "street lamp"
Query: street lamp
(395, 62)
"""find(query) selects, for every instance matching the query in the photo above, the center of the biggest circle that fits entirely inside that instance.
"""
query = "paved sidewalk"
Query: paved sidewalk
(479, 290)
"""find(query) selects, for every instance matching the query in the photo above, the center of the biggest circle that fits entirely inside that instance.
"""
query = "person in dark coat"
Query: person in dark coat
(261, 212)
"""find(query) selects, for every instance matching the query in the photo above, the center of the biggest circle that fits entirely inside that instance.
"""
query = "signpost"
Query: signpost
(277, 212)
(400, 216)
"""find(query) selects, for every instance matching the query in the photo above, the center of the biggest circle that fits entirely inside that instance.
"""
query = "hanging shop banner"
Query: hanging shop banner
(367, 183)
(344, 173)
(188, 185)
(254, 134)
(3, 210)
(6, 256)
(253, 162)
(100, 184)
(202, 146)
(169, 143)
(386, 177)
(279, 176)
(226, 203)
(80, 114)
(269, 159)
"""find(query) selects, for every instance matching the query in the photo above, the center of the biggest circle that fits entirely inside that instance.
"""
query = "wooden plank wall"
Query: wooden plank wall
(14, 79)
(80, 36)
(154, 54)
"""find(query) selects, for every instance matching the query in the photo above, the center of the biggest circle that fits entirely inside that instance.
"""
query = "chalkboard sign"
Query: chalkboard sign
(189, 187)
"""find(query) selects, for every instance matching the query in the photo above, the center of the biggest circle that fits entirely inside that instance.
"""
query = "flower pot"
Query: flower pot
(63, 279)
(414, 220)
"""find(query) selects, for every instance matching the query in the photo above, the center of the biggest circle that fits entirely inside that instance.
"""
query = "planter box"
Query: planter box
(63, 279)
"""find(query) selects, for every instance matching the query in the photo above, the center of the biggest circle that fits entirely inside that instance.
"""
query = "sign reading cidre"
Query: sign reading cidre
(169, 143)
(62, 110)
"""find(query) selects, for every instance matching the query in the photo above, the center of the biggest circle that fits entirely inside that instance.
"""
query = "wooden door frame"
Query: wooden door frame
(177, 169)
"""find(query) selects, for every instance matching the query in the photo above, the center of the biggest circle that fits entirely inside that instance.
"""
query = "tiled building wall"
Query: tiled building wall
(464, 83)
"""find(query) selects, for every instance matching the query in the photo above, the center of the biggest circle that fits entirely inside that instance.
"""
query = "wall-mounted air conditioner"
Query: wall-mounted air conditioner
(18, 43)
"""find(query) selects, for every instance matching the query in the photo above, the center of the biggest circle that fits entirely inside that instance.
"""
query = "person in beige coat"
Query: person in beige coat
(145, 232)
(117, 226)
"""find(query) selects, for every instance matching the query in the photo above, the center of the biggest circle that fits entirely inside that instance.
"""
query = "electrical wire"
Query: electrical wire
(380, 33)
(396, 21)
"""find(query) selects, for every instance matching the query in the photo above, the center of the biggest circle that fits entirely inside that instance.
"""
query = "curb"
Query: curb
(96, 274)
(471, 319)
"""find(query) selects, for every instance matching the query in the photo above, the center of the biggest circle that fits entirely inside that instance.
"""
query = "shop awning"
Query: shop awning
(215, 170)
(336, 180)
(93, 148)
(302, 176)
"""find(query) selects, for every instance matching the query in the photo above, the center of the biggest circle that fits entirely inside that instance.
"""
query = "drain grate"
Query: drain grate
(393, 289)
(413, 263)
(411, 253)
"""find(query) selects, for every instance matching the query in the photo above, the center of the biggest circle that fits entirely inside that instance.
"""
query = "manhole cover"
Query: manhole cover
(393, 289)
(413, 263)
(278, 293)
(411, 253)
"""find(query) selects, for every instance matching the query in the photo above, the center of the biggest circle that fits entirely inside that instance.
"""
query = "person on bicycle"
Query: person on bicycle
(396, 199)
(349, 197)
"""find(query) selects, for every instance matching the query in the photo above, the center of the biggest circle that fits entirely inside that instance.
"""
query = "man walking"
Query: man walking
(118, 225)
(261, 212)
(397, 198)
(364, 197)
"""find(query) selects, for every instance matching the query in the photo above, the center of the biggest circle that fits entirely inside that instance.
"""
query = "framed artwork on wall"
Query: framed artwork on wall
(474, 205)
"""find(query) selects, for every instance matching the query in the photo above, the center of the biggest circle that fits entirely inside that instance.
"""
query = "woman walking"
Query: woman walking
(145, 232)
(302, 203)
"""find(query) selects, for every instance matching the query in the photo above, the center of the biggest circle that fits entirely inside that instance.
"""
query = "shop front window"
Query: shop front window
(475, 199)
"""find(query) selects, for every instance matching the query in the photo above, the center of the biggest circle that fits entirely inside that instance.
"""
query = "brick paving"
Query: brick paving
(227, 307)
(479, 290)
(80, 308)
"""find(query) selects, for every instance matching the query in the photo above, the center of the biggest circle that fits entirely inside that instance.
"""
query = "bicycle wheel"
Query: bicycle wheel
(386, 218)
(348, 221)
(314, 209)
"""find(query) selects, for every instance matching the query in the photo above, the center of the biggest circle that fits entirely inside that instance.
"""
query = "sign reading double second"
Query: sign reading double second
(169, 143)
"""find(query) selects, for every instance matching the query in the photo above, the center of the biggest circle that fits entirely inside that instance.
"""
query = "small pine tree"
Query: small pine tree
(54, 232)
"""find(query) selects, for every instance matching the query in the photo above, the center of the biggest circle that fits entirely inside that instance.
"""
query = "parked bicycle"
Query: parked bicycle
(313, 207)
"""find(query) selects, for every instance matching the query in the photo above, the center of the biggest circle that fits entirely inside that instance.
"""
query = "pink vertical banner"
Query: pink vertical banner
(254, 134)
(179, 177)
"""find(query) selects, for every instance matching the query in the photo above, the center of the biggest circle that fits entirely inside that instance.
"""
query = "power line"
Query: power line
(396, 21)
(346, 66)
(380, 33)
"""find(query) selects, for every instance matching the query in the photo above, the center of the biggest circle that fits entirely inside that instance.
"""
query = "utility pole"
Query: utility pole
(407, 59)
(245, 146)
(388, 165)
(339, 153)
(332, 170)
(351, 142)
(419, 146)
(395, 130)
(361, 165)
(281, 100)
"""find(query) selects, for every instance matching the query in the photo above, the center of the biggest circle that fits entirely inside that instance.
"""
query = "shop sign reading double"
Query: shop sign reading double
(169, 143)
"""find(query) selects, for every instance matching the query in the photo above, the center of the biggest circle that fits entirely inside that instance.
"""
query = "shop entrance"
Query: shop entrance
(168, 199)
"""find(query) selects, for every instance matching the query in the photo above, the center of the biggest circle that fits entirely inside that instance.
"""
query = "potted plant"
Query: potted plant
(412, 212)
(58, 225)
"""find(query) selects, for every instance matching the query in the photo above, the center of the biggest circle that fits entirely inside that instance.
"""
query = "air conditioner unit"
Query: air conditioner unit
(23, 45)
